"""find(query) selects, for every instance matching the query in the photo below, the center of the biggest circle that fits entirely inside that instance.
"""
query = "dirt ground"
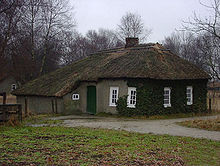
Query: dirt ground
(167, 126)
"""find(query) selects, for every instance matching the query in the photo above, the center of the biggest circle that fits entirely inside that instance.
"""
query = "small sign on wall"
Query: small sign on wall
(75, 97)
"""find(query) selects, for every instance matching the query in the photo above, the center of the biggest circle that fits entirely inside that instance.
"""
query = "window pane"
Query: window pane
(189, 95)
(166, 92)
(166, 95)
(131, 96)
(166, 101)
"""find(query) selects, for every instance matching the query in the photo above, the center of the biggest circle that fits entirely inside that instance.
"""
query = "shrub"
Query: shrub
(122, 108)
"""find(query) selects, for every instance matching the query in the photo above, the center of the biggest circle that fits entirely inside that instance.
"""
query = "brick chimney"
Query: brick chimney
(131, 41)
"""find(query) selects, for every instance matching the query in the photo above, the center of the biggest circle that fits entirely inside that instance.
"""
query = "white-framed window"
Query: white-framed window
(131, 101)
(113, 96)
(189, 95)
(167, 97)
(75, 97)
(13, 87)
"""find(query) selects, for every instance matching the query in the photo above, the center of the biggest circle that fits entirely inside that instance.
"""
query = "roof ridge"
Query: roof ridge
(108, 50)
(136, 47)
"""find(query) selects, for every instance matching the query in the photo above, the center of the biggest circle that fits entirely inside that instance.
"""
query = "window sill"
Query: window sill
(131, 106)
(112, 105)
(167, 105)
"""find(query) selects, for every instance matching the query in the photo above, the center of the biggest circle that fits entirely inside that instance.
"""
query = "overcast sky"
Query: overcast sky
(162, 16)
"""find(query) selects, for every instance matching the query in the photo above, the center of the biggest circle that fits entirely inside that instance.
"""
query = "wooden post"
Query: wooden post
(4, 97)
(52, 106)
(25, 106)
(4, 115)
(20, 112)
(56, 105)
(210, 105)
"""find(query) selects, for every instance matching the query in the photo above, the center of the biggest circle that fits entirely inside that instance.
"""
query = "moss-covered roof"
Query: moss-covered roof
(142, 61)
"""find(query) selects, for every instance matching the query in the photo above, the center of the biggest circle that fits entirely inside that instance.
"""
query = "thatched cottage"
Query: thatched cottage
(151, 78)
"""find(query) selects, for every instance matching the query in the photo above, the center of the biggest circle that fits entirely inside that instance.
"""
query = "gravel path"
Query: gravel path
(142, 126)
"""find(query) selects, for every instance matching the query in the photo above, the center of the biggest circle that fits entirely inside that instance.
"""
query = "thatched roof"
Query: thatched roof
(142, 61)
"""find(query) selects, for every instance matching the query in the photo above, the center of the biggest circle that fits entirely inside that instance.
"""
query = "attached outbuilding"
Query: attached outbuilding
(7, 85)
(214, 96)
(148, 77)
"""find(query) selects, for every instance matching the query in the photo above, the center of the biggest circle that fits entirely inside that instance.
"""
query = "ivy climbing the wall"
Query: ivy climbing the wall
(150, 97)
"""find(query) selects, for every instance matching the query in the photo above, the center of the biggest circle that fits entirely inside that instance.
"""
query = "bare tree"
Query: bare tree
(32, 35)
(197, 49)
(174, 43)
(211, 51)
(10, 12)
(210, 26)
(9, 17)
(76, 47)
(132, 25)
(56, 19)
(102, 39)
(22, 64)
(6, 5)
(79, 46)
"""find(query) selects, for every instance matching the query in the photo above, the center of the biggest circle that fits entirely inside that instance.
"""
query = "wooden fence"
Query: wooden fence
(9, 100)
(9, 110)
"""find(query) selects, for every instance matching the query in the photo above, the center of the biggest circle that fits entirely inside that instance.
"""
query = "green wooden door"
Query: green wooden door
(91, 99)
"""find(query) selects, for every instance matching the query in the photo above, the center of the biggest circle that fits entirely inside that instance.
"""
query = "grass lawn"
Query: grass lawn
(85, 146)
(208, 124)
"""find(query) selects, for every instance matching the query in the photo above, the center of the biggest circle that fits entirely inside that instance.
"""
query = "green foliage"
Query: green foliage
(150, 97)
(122, 108)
